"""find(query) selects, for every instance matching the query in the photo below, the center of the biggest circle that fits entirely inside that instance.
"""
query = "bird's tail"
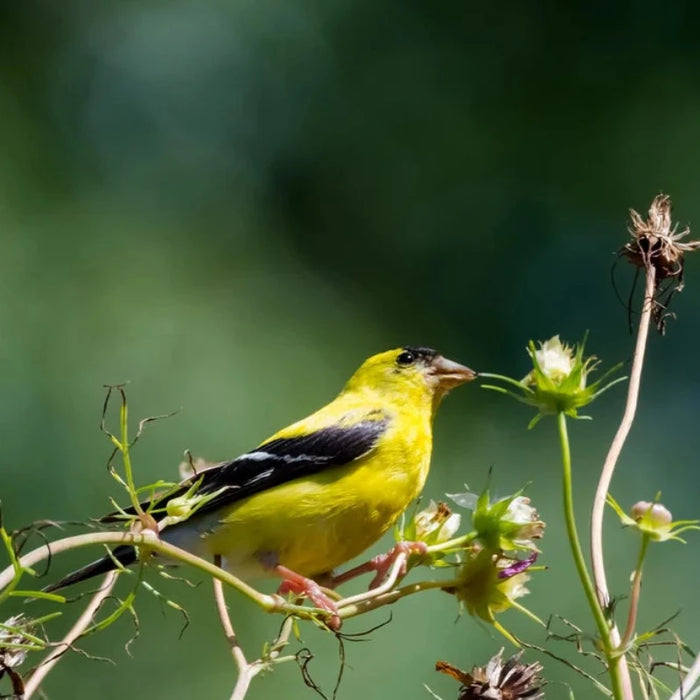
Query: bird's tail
(124, 555)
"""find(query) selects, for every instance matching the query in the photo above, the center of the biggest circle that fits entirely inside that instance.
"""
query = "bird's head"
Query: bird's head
(410, 373)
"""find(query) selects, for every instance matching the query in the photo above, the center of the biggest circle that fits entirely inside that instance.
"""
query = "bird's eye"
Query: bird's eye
(405, 358)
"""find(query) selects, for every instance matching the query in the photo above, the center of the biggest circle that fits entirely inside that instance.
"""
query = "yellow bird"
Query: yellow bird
(322, 490)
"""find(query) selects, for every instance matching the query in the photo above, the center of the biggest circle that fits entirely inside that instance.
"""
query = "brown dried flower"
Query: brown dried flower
(497, 680)
(657, 243)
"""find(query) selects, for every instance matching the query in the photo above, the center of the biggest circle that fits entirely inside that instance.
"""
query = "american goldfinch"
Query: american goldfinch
(321, 491)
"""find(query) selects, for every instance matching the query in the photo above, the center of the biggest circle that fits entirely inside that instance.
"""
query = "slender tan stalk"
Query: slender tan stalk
(243, 681)
(619, 441)
(222, 609)
(386, 586)
(245, 670)
(74, 633)
(689, 681)
(150, 541)
(635, 592)
(354, 609)
(597, 558)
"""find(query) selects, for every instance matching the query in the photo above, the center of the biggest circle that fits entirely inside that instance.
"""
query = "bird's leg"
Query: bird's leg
(381, 564)
(300, 585)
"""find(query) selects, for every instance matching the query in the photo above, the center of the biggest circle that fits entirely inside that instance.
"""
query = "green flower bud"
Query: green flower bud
(179, 508)
(653, 520)
(558, 381)
(506, 524)
(556, 363)
(489, 584)
(183, 507)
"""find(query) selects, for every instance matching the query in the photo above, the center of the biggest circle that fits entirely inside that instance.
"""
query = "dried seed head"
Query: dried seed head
(657, 242)
(658, 246)
(497, 680)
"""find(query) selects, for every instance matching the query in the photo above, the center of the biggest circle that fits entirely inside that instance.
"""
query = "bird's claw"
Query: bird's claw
(383, 563)
(300, 585)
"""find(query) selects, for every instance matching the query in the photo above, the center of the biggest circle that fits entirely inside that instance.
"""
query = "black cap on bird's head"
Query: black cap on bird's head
(424, 355)
(446, 373)
(410, 366)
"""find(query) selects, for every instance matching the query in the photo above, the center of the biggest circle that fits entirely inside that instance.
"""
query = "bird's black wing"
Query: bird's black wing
(271, 464)
(277, 462)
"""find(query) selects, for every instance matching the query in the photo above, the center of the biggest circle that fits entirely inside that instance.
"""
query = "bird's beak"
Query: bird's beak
(450, 374)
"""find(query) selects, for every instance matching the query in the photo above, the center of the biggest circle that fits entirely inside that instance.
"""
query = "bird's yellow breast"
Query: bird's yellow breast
(314, 524)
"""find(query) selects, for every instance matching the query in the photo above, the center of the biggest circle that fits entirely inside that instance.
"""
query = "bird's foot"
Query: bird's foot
(300, 585)
(382, 563)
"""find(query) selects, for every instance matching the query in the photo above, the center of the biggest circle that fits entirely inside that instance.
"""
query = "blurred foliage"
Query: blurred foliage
(232, 204)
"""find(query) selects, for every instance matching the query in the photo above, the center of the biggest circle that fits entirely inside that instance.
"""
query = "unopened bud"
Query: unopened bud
(655, 514)
(653, 520)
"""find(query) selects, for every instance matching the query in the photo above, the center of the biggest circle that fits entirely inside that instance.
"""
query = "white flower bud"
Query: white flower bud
(556, 360)
(436, 524)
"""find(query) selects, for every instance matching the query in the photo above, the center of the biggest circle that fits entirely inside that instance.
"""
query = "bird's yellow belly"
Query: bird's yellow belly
(319, 522)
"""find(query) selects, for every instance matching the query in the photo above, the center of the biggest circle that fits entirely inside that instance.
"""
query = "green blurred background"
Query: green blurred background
(230, 205)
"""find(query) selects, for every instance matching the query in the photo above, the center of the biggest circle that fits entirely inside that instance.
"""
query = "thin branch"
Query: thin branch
(354, 609)
(618, 442)
(597, 558)
(149, 541)
(386, 586)
(689, 681)
(635, 592)
(226, 623)
(73, 635)
(247, 670)
(245, 675)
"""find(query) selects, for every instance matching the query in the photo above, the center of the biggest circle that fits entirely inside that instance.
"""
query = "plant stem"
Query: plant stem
(597, 559)
(270, 603)
(15, 568)
(390, 581)
(75, 632)
(688, 682)
(354, 609)
(634, 595)
(579, 561)
(222, 609)
(242, 683)
(245, 670)
(454, 544)
(126, 457)
(150, 541)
